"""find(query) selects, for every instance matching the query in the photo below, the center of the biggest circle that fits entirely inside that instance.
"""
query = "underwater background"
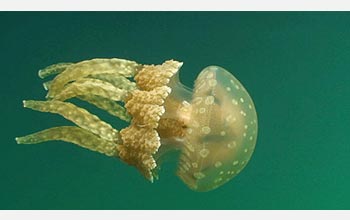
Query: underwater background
(295, 65)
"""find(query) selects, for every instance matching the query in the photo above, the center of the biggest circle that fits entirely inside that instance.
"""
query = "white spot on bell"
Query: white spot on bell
(218, 164)
(199, 175)
(243, 113)
(204, 153)
(206, 130)
(234, 101)
(218, 180)
(189, 131)
(195, 124)
(228, 118)
(210, 75)
(212, 82)
(234, 143)
(209, 100)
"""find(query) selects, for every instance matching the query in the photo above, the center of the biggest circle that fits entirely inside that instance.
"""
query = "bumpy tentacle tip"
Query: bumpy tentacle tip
(28, 103)
(49, 96)
(21, 140)
(46, 85)
(40, 74)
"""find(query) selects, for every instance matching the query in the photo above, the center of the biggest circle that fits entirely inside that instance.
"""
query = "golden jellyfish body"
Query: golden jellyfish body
(214, 126)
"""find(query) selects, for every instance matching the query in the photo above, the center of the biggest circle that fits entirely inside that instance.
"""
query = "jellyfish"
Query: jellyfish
(213, 126)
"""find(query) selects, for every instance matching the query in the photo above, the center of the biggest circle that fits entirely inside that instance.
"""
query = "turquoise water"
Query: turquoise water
(295, 66)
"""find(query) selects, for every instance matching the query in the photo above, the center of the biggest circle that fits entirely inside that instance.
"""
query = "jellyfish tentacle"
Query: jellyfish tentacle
(116, 80)
(108, 105)
(74, 135)
(79, 116)
(82, 69)
(53, 69)
(87, 86)
(120, 82)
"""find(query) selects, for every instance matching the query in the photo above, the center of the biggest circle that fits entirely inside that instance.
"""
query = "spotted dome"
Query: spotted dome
(222, 131)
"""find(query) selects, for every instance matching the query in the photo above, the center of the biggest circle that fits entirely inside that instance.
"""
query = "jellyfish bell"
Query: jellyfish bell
(220, 128)
(213, 126)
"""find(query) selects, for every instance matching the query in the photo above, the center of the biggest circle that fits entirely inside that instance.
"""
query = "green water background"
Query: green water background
(295, 65)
